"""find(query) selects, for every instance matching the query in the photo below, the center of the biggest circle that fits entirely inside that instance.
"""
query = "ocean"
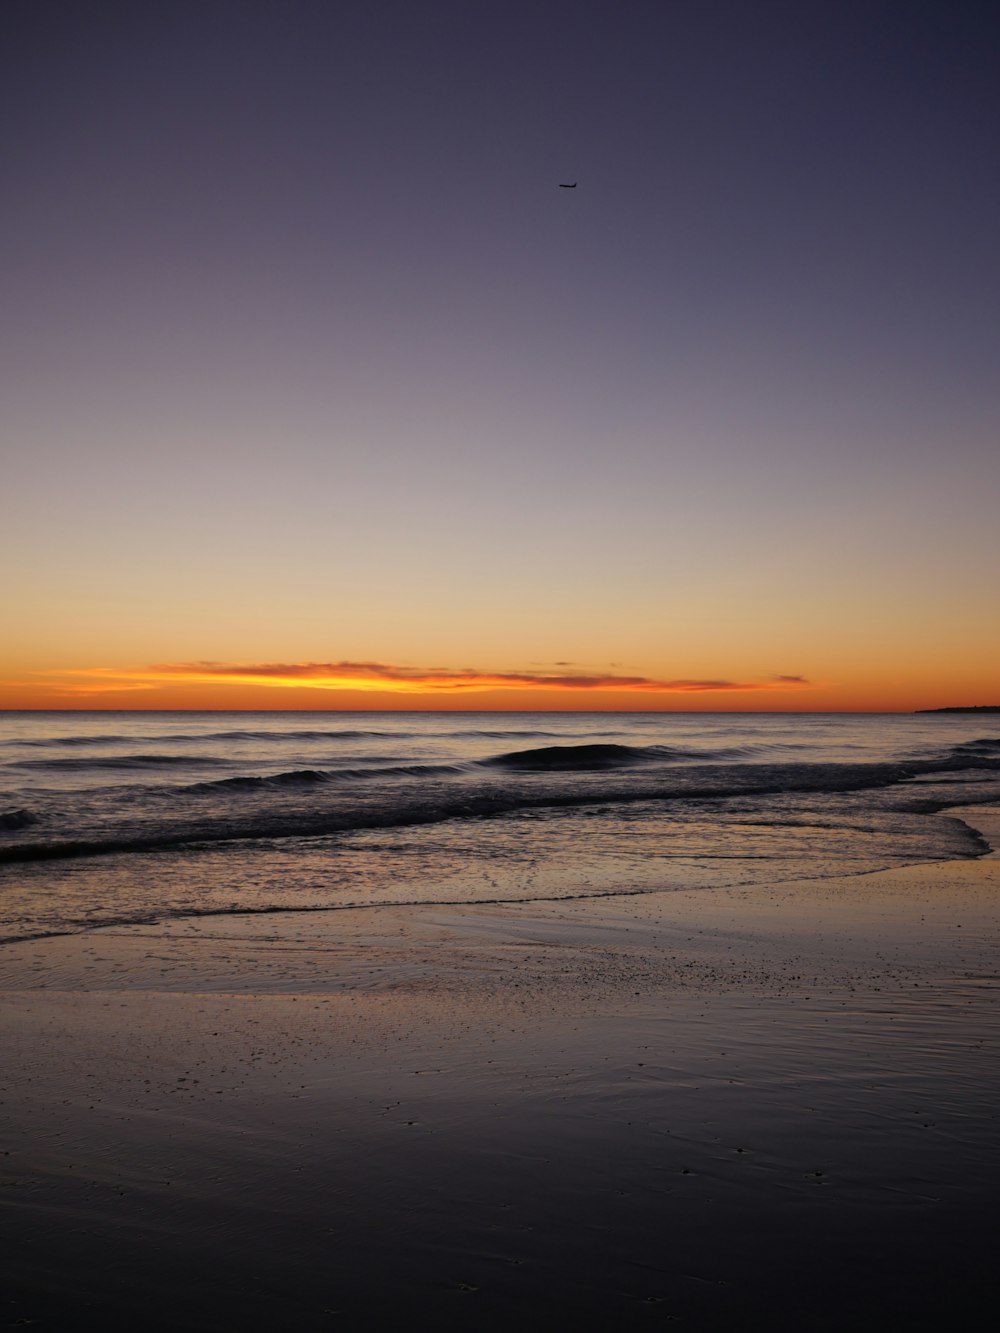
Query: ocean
(126, 818)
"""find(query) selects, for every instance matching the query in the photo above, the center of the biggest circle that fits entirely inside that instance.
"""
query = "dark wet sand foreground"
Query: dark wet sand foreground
(733, 1109)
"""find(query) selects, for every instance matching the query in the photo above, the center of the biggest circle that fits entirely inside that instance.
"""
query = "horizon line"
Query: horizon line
(646, 712)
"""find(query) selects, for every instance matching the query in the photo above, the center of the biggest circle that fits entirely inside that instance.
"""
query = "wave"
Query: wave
(976, 846)
(504, 735)
(310, 734)
(11, 820)
(588, 758)
(47, 742)
(985, 747)
(267, 805)
(568, 758)
(302, 777)
(304, 735)
(124, 761)
(120, 738)
(585, 758)
(437, 805)
(982, 754)
(311, 777)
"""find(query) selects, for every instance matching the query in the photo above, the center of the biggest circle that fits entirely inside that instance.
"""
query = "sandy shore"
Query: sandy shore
(715, 1109)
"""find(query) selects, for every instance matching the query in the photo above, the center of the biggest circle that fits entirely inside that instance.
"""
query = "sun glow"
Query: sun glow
(229, 682)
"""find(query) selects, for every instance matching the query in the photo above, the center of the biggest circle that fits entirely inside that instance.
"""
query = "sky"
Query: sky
(319, 391)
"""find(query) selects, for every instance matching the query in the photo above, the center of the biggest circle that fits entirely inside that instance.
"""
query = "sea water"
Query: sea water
(114, 818)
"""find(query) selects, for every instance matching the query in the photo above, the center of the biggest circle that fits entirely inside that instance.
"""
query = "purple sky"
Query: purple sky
(297, 326)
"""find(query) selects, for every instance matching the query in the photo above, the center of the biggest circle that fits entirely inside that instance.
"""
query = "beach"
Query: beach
(499, 693)
(760, 1106)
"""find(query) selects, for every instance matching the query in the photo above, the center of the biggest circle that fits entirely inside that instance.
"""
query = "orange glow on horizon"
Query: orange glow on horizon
(311, 684)
(378, 686)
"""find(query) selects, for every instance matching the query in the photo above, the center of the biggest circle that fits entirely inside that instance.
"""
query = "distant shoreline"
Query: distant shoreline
(971, 708)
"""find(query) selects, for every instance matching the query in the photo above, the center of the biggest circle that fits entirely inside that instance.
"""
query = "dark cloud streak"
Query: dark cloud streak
(343, 673)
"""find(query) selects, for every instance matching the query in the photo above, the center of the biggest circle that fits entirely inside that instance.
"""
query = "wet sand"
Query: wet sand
(714, 1109)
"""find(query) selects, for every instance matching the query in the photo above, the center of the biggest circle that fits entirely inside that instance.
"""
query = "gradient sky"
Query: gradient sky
(318, 391)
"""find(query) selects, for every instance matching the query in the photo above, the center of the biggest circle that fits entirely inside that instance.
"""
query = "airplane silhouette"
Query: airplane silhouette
(567, 187)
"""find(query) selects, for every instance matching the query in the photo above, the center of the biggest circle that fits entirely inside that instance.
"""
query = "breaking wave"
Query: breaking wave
(436, 803)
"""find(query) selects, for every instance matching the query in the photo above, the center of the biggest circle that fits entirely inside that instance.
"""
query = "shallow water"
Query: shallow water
(110, 818)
